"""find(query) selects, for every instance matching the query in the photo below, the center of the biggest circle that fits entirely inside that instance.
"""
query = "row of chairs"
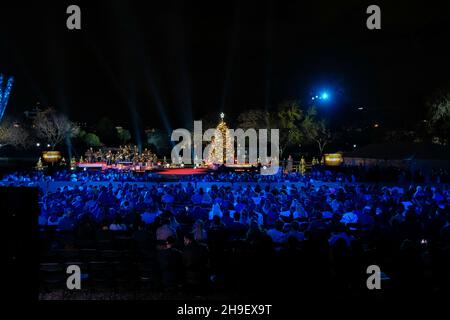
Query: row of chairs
(109, 278)
(101, 240)
(86, 255)
(118, 243)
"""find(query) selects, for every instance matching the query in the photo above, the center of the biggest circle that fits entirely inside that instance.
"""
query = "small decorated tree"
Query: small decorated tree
(302, 166)
(39, 165)
(73, 164)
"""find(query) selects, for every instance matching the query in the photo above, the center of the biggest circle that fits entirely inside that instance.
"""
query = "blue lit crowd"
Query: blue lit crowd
(252, 237)
(343, 175)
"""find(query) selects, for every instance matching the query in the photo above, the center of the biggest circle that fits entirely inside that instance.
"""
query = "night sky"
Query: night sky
(165, 63)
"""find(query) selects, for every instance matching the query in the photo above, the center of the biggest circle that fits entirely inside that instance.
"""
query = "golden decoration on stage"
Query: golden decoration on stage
(51, 156)
(333, 159)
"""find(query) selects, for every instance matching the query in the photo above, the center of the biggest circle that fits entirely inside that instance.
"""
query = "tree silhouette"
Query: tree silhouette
(53, 127)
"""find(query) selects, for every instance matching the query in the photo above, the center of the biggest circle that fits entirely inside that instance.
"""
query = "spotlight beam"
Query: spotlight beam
(4, 94)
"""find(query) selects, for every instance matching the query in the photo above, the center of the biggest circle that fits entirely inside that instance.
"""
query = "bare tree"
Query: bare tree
(13, 134)
(53, 127)
(439, 116)
(316, 130)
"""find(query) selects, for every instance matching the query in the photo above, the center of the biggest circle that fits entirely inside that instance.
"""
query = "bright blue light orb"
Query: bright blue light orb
(324, 95)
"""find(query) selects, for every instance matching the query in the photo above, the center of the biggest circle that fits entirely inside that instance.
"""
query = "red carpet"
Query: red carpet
(183, 171)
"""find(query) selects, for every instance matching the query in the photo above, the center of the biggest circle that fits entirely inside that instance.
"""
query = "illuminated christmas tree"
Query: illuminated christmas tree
(302, 166)
(73, 164)
(227, 145)
(39, 165)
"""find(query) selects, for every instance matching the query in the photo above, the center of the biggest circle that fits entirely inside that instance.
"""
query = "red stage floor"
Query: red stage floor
(183, 171)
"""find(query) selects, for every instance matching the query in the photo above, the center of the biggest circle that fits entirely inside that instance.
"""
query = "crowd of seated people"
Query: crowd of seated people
(30, 178)
(318, 173)
(263, 240)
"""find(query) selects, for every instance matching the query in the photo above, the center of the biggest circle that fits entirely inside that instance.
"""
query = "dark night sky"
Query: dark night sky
(165, 63)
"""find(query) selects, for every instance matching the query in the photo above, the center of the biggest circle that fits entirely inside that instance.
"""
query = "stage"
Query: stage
(162, 170)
